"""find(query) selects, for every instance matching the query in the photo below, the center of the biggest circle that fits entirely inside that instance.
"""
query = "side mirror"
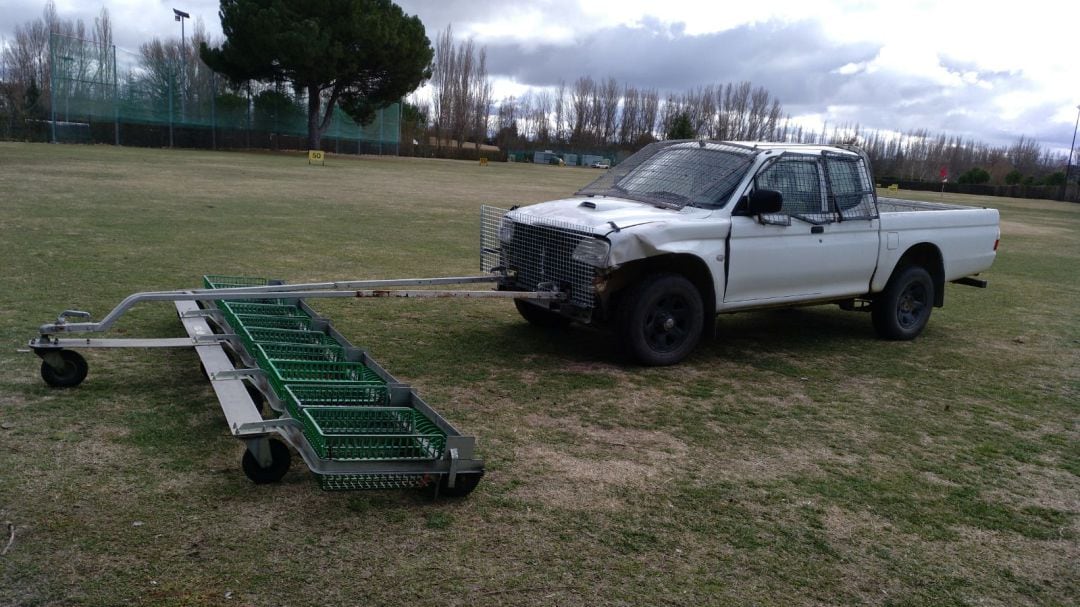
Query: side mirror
(764, 201)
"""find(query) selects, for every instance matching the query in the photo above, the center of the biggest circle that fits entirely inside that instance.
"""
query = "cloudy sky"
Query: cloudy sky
(984, 69)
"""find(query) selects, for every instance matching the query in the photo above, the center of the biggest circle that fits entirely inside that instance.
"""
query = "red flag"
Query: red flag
(944, 173)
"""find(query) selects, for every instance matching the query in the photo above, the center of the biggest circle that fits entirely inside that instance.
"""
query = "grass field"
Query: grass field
(792, 460)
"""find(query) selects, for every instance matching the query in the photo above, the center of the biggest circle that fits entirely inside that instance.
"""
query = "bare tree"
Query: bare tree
(608, 110)
(561, 111)
(461, 90)
(650, 111)
(527, 115)
(580, 98)
(631, 111)
(542, 110)
(50, 51)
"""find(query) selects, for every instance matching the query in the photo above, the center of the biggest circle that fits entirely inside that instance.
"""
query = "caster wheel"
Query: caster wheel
(70, 375)
(280, 458)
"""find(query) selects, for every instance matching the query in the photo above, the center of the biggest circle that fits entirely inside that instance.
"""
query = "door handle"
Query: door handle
(817, 230)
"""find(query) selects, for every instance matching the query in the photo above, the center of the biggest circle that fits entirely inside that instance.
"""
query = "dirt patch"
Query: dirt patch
(1041, 487)
(873, 551)
(585, 472)
(771, 463)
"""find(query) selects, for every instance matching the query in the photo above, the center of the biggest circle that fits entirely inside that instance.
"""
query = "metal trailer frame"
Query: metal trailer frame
(237, 387)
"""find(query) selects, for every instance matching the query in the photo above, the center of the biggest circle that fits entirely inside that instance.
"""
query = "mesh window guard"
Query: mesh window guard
(850, 191)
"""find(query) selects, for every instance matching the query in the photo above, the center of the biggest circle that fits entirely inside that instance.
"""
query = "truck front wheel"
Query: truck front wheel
(660, 319)
(902, 310)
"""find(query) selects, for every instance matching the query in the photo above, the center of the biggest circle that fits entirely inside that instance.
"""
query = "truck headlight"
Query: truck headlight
(506, 230)
(592, 251)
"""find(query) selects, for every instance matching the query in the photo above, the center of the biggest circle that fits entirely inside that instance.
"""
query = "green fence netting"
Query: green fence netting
(167, 97)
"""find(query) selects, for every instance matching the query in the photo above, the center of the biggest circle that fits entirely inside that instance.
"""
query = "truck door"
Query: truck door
(808, 251)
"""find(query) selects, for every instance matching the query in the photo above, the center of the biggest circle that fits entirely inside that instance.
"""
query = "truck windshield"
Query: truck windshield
(677, 175)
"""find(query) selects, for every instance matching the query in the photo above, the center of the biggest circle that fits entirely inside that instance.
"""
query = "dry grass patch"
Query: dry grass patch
(582, 470)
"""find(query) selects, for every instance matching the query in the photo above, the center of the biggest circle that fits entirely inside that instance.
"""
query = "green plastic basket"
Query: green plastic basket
(372, 433)
(244, 307)
(215, 281)
(299, 396)
(296, 323)
(230, 310)
(283, 372)
(263, 335)
(264, 353)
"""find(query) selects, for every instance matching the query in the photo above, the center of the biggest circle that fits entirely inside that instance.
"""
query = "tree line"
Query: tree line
(587, 113)
(605, 114)
(922, 155)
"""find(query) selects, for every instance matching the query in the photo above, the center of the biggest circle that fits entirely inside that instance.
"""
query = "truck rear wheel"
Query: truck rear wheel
(902, 310)
(660, 319)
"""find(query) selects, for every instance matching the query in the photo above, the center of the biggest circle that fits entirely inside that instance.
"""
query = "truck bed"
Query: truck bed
(896, 205)
(964, 235)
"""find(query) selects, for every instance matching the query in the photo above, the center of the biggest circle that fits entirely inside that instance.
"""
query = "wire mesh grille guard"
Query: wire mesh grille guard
(538, 251)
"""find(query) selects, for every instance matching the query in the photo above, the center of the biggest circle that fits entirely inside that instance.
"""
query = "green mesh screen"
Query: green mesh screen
(166, 96)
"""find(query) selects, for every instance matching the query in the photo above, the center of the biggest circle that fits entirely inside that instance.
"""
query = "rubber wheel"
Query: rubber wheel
(660, 320)
(280, 459)
(540, 317)
(463, 484)
(902, 310)
(73, 373)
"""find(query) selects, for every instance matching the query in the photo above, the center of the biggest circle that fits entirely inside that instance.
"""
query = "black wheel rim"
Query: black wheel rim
(912, 305)
(667, 322)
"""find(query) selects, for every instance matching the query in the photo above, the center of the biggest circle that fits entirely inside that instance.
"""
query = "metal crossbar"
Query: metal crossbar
(323, 290)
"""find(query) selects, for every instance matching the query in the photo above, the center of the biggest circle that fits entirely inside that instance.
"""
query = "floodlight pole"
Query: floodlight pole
(1068, 167)
(181, 16)
(52, 83)
(116, 99)
(68, 59)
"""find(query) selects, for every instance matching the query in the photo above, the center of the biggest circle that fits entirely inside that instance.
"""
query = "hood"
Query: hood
(595, 213)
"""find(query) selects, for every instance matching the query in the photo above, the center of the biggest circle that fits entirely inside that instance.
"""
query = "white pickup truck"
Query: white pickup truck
(685, 229)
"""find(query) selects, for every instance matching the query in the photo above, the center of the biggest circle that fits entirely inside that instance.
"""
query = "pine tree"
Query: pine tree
(681, 127)
(360, 55)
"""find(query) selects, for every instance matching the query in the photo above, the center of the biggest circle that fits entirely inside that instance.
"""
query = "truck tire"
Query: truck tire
(540, 317)
(901, 311)
(660, 319)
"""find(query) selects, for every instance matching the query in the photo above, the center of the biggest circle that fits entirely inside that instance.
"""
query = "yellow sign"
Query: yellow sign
(894, 187)
(483, 161)
(316, 157)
